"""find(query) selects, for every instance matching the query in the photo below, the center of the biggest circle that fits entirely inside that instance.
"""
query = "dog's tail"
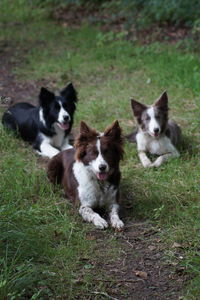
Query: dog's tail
(132, 137)
(55, 169)
(9, 121)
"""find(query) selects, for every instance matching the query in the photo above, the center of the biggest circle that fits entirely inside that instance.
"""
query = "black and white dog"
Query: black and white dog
(48, 125)
(155, 134)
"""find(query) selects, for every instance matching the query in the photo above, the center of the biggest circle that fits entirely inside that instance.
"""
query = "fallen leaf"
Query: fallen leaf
(176, 245)
(88, 266)
(119, 229)
(158, 240)
(91, 238)
(140, 274)
(148, 81)
(151, 248)
(129, 123)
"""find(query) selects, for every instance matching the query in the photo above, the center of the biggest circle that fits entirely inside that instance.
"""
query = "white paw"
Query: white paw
(38, 152)
(147, 164)
(100, 222)
(117, 224)
(158, 162)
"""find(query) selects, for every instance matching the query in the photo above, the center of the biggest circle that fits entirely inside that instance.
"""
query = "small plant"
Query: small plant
(106, 38)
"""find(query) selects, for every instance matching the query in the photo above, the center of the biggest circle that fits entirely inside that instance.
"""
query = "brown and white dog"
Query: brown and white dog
(155, 134)
(90, 173)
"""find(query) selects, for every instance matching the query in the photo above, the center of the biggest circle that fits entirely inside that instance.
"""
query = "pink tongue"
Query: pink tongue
(64, 126)
(102, 176)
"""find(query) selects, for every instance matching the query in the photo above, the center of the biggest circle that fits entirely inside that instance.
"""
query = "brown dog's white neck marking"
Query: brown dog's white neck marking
(92, 195)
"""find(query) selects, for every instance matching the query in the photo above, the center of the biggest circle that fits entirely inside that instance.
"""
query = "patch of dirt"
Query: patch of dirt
(74, 16)
(140, 270)
(12, 90)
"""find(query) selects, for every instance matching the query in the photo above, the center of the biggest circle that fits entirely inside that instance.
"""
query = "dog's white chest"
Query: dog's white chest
(161, 146)
(92, 192)
(157, 146)
(58, 138)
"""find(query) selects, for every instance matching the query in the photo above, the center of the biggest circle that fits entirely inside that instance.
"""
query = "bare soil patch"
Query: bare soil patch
(74, 16)
(11, 89)
(141, 271)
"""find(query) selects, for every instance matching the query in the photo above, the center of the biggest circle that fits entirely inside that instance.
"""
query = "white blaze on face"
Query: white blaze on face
(63, 118)
(99, 162)
(154, 126)
(62, 114)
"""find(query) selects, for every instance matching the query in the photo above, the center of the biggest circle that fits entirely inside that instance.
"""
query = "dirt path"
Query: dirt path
(12, 90)
(141, 270)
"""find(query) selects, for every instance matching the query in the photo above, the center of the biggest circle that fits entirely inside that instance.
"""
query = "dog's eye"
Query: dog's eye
(57, 105)
(147, 118)
(65, 106)
(105, 151)
(157, 117)
(95, 152)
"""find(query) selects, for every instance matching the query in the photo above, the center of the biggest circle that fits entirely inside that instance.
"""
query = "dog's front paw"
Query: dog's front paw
(158, 162)
(117, 224)
(100, 222)
(147, 164)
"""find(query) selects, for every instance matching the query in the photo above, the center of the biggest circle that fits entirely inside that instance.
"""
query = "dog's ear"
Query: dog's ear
(69, 93)
(137, 108)
(114, 134)
(84, 128)
(114, 131)
(162, 102)
(86, 133)
(45, 97)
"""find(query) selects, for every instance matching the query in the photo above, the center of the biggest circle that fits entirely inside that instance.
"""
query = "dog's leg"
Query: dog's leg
(144, 159)
(90, 216)
(65, 144)
(47, 150)
(161, 159)
(114, 217)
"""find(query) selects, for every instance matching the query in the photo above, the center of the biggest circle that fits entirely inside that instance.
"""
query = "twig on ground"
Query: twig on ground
(104, 294)
(119, 280)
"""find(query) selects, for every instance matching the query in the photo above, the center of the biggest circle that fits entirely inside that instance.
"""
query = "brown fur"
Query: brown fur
(86, 136)
(58, 170)
(162, 102)
(138, 109)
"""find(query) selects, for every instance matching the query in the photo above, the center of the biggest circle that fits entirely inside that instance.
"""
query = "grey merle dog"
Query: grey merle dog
(155, 133)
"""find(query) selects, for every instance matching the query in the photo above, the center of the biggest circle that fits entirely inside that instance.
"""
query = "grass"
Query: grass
(42, 239)
(40, 242)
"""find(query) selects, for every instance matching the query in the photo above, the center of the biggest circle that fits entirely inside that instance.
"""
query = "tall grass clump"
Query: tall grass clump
(40, 243)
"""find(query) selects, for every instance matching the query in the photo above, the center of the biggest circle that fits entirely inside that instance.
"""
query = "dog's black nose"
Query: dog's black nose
(66, 118)
(102, 168)
(156, 130)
